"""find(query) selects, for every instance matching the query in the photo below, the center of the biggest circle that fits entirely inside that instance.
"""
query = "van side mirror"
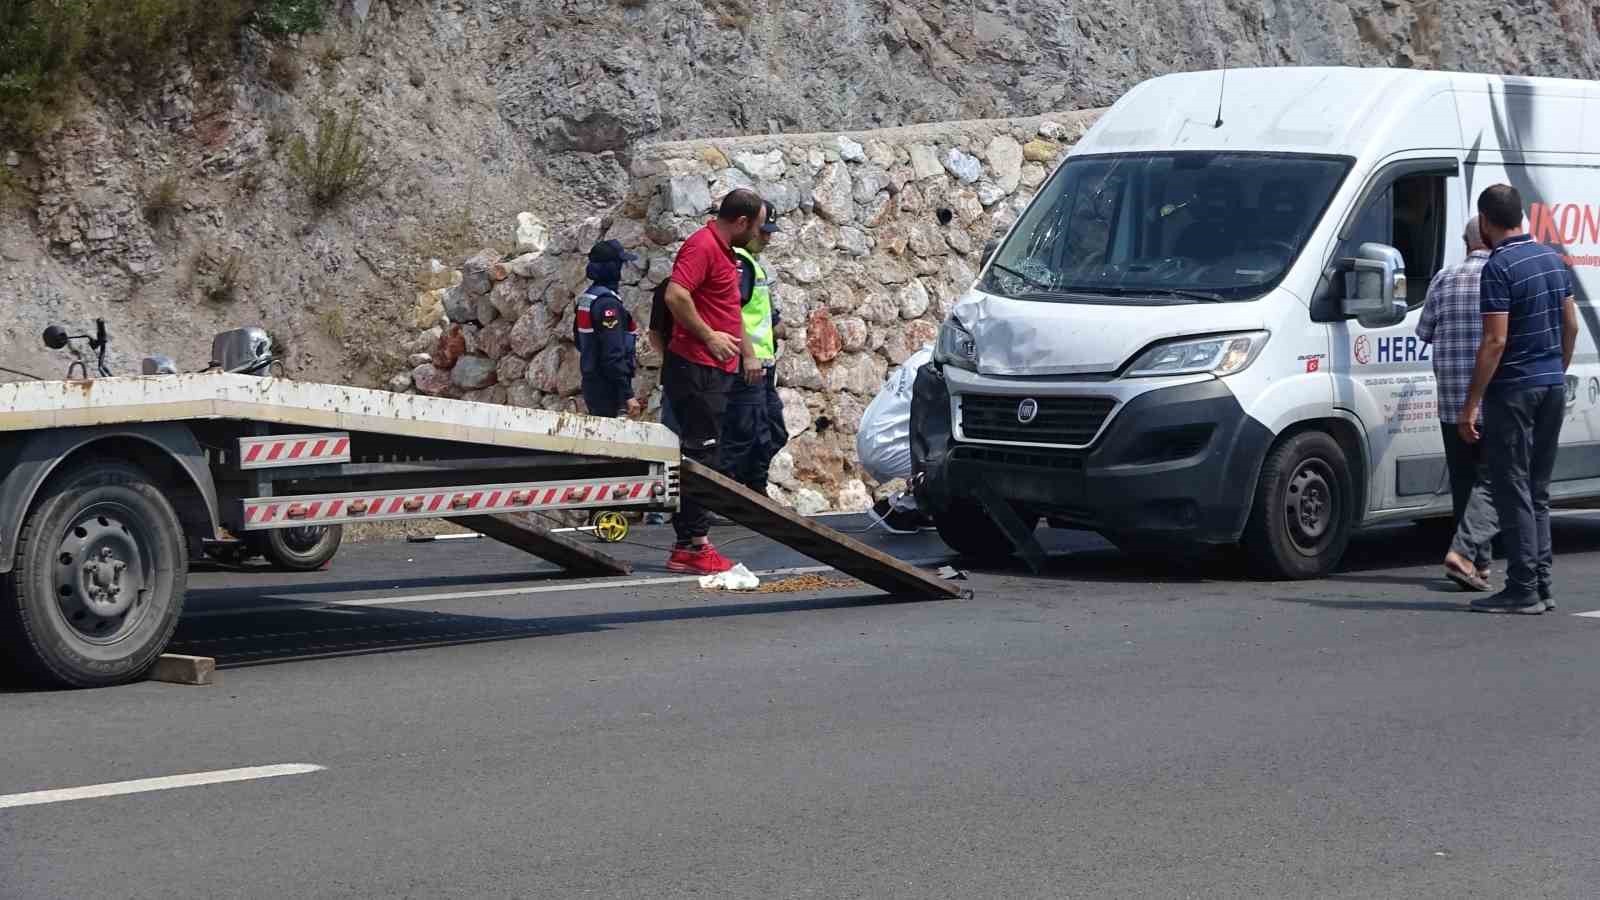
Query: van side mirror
(1374, 285)
(988, 251)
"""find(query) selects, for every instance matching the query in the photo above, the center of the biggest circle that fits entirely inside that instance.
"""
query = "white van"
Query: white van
(1202, 330)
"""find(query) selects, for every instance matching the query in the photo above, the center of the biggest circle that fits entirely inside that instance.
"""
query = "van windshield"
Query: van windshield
(1164, 228)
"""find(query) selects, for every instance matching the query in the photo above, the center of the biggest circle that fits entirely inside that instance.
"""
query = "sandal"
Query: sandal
(1468, 581)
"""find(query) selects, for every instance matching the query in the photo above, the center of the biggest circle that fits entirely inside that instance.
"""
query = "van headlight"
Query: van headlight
(1220, 355)
(955, 346)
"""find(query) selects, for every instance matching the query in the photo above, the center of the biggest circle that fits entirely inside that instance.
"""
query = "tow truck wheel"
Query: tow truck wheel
(969, 531)
(610, 526)
(1304, 508)
(303, 549)
(97, 585)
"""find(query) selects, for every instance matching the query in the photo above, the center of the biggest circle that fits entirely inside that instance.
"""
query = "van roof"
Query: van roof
(1349, 112)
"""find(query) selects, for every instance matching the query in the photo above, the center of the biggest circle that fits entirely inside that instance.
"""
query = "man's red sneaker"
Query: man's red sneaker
(701, 560)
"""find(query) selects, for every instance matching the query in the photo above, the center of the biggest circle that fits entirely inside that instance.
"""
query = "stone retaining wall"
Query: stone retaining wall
(881, 232)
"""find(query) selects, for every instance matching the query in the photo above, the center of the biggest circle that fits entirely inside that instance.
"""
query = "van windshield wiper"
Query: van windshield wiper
(1112, 290)
(1202, 296)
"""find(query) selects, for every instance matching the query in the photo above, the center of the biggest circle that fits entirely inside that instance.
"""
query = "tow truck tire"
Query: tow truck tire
(300, 549)
(1304, 509)
(98, 581)
(969, 531)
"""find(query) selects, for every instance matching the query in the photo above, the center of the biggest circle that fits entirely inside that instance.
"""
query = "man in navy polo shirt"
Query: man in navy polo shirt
(1530, 326)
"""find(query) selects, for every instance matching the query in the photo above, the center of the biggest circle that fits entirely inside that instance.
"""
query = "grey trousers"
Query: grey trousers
(1471, 498)
(1522, 429)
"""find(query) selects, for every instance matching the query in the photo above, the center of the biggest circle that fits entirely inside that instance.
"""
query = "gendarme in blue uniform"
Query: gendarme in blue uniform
(606, 334)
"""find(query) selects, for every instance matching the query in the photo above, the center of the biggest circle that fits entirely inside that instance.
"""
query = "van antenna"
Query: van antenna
(1222, 87)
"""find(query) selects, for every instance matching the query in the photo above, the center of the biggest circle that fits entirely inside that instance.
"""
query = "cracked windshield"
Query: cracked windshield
(1161, 228)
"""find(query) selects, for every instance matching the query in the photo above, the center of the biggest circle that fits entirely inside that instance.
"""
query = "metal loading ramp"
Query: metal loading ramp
(523, 533)
(759, 514)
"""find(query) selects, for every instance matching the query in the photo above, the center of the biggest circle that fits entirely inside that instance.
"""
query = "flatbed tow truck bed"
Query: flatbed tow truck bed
(109, 485)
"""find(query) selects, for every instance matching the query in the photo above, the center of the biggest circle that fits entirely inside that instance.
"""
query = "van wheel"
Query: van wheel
(1304, 508)
(969, 531)
(304, 549)
(97, 585)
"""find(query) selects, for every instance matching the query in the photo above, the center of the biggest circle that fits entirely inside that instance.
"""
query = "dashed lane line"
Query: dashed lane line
(145, 785)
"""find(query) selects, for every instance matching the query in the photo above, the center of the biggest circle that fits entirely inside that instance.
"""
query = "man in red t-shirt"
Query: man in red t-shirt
(703, 356)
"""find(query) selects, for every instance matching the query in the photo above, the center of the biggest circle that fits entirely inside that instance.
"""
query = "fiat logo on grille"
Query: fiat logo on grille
(1027, 410)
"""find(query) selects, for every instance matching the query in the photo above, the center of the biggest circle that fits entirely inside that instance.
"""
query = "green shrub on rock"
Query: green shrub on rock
(46, 44)
(291, 16)
(337, 163)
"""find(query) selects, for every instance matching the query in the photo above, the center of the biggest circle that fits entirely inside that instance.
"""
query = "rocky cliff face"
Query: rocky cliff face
(171, 210)
(679, 69)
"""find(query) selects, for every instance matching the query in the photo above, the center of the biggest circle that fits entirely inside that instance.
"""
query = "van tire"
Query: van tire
(1304, 509)
(969, 531)
(97, 585)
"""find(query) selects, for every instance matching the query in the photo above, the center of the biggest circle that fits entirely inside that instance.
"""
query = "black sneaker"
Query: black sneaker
(885, 516)
(905, 521)
(1506, 602)
(1548, 598)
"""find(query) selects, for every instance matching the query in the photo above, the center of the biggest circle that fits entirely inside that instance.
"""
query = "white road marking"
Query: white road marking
(333, 605)
(473, 535)
(165, 783)
(1592, 614)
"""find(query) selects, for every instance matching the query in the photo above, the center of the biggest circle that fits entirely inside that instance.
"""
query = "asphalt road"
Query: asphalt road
(1108, 729)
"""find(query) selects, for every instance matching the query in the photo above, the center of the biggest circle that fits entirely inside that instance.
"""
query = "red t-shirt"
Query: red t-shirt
(706, 268)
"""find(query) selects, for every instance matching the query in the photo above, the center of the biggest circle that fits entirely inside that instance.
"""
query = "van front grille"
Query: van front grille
(1066, 421)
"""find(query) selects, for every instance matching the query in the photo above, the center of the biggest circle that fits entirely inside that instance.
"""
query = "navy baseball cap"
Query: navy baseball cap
(771, 225)
(610, 251)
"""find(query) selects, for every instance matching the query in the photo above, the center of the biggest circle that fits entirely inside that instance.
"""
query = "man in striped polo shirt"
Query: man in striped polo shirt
(1530, 327)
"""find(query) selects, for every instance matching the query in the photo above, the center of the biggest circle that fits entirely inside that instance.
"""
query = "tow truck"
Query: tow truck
(112, 484)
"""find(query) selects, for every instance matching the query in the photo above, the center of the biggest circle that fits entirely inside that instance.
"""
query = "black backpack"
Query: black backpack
(660, 314)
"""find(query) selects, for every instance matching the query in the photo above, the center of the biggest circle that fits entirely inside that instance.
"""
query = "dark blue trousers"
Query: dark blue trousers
(606, 399)
(1522, 429)
(753, 431)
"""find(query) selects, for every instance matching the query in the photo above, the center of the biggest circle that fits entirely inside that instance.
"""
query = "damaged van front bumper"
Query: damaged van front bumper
(1174, 459)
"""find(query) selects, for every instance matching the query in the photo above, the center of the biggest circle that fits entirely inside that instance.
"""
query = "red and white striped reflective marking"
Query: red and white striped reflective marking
(294, 450)
(330, 509)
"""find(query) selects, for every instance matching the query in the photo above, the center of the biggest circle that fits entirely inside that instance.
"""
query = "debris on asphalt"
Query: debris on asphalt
(803, 583)
(951, 573)
(737, 578)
